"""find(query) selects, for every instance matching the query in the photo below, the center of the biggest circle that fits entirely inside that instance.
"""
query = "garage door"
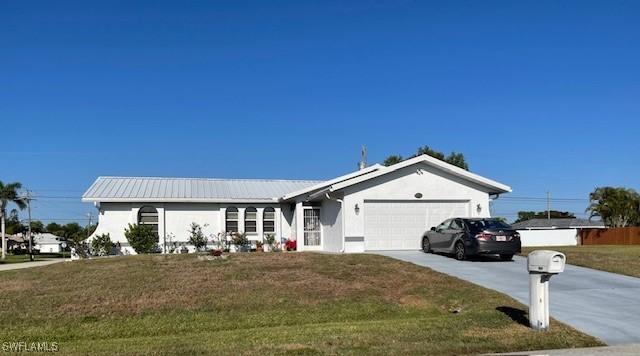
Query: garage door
(397, 225)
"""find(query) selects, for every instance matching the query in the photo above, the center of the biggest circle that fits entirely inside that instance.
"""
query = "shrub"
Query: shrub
(291, 245)
(101, 245)
(196, 237)
(141, 238)
(240, 239)
(270, 239)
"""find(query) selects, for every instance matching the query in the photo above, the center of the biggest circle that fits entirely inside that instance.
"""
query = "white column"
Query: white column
(241, 220)
(259, 220)
(300, 226)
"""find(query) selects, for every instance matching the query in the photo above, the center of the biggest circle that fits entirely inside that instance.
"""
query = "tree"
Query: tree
(616, 206)
(555, 214)
(196, 236)
(54, 228)
(8, 194)
(454, 158)
(101, 245)
(141, 238)
(37, 227)
(391, 160)
(426, 150)
(13, 224)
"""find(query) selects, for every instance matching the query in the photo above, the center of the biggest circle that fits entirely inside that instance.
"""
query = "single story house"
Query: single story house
(16, 242)
(374, 208)
(47, 243)
(554, 232)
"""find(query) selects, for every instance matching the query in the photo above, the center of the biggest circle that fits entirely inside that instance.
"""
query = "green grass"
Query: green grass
(623, 259)
(25, 257)
(263, 303)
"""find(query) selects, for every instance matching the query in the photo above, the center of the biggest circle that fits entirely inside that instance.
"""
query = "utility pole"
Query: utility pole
(28, 198)
(548, 206)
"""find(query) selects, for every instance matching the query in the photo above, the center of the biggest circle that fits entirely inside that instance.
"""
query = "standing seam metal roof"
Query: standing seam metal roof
(190, 189)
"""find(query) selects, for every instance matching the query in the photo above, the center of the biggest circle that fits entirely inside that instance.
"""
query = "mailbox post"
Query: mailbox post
(542, 264)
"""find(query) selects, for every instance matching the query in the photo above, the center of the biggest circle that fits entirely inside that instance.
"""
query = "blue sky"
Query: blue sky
(540, 95)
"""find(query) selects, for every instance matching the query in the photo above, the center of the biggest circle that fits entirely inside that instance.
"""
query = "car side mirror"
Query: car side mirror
(433, 228)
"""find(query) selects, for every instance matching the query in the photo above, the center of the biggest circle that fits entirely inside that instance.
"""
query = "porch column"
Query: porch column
(259, 220)
(299, 226)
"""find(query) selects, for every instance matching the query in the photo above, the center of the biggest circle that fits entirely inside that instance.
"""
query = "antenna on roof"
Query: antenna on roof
(363, 158)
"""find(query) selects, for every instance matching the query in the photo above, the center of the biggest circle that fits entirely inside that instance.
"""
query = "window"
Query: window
(444, 225)
(482, 224)
(231, 219)
(148, 215)
(250, 219)
(456, 225)
(269, 221)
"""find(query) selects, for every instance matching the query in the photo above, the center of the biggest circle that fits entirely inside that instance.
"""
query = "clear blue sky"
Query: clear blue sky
(540, 95)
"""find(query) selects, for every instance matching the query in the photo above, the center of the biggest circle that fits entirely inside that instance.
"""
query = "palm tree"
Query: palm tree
(617, 207)
(8, 193)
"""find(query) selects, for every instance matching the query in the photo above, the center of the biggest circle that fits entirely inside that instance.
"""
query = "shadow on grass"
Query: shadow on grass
(517, 315)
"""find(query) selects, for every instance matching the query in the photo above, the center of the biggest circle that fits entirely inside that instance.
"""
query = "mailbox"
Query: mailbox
(544, 261)
(542, 264)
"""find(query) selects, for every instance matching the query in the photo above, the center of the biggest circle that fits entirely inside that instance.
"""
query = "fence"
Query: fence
(613, 236)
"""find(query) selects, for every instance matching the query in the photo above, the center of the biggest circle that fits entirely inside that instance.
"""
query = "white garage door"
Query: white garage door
(397, 225)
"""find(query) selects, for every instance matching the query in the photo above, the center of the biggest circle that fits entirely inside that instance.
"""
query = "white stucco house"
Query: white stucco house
(375, 208)
(554, 232)
(47, 243)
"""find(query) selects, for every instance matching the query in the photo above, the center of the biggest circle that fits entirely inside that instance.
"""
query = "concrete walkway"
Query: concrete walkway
(21, 265)
(602, 304)
(619, 350)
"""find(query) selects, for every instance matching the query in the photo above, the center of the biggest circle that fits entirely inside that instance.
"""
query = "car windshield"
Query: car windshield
(479, 225)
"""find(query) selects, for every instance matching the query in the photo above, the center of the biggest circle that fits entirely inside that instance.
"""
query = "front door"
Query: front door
(311, 226)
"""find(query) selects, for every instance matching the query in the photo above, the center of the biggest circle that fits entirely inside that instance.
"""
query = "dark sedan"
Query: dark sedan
(465, 237)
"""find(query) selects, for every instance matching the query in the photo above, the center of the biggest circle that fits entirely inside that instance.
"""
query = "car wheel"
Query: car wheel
(426, 245)
(460, 251)
(506, 257)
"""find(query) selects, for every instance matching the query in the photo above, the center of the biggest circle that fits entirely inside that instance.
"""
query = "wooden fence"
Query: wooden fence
(613, 236)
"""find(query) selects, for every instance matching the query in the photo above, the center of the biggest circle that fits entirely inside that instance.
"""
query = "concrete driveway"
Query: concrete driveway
(605, 305)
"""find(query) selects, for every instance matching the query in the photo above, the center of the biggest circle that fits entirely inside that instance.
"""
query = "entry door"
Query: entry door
(312, 232)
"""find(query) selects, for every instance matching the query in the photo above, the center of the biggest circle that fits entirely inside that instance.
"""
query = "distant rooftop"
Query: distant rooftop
(558, 224)
(123, 189)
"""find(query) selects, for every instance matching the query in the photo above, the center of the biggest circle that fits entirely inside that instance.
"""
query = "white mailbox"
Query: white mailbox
(542, 264)
(545, 261)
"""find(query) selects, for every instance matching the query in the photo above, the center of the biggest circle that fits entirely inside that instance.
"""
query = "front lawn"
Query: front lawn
(623, 259)
(11, 258)
(264, 303)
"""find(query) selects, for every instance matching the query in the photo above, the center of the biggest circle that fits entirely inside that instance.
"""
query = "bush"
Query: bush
(101, 245)
(240, 239)
(291, 245)
(196, 237)
(270, 239)
(141, 238)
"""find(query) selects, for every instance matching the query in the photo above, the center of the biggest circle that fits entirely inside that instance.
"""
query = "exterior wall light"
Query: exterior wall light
(479, 208)
(357, 209)
(418, 195)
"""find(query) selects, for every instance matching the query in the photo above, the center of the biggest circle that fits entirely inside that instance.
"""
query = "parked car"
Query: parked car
(464, 237)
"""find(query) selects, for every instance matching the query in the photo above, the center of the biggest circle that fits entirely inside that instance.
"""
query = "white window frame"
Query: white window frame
(264, 211)
(255, 220)
(226, 219)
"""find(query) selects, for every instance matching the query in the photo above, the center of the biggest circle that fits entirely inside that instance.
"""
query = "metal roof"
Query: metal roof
(148, 189)
(557, 224)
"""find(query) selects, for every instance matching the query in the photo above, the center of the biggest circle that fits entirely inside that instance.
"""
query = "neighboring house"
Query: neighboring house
(16, 242)
(375, 208)
(554, 232)
(47, 243)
